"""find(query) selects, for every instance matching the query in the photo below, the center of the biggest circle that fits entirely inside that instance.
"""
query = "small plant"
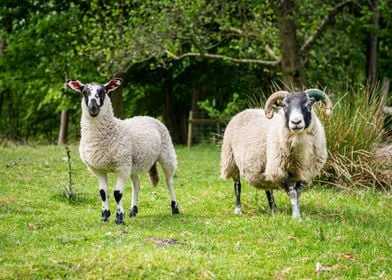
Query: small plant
(69, 191)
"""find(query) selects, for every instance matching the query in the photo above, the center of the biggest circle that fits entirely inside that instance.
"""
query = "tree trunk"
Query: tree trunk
(292, 62)
(385, 92)
(13, 116)
(2, 47)
(118, 103)
(63, 134)
(371, 61)
(168, 110)
(1, 102)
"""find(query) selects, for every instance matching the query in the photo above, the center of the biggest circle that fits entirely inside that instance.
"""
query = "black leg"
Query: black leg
(133, 211)
(105, 215)
(271, 201)
(237, 191)
(174, 207)
(105, 212)
(119, 214)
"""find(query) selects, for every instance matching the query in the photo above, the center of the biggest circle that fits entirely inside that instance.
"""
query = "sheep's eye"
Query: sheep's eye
(309, 105)
(283, 103)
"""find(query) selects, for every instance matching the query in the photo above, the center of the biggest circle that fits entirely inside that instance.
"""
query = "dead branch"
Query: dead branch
(328, 19)
(224, 57)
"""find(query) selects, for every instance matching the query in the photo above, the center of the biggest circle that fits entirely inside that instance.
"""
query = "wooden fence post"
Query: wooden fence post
(190, 120)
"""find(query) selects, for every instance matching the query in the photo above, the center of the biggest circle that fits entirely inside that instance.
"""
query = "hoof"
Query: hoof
(274, 211)
(297, 218)
(296, 214)
(237, 211)
(133, 212)
(120, 218)
(105, 215)
(174, 207)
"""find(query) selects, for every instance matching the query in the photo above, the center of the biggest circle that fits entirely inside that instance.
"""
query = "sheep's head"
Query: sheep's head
(94, 94)
(297, 107)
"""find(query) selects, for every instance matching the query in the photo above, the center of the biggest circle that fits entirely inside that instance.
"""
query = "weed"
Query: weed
(69, 191)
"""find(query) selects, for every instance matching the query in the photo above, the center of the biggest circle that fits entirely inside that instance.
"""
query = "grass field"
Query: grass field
(347, 235)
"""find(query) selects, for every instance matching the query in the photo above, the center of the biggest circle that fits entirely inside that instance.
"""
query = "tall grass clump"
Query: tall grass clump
(353, 133)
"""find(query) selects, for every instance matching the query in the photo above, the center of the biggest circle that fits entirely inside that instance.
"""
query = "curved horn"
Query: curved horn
(319, 95)
(273, 99)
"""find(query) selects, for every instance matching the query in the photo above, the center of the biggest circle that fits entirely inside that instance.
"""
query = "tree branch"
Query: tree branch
(272, 53)
(328, 19)
(224, 57)
(251, 34)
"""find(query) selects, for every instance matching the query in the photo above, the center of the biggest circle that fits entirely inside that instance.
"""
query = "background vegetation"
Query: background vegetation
(174, 54)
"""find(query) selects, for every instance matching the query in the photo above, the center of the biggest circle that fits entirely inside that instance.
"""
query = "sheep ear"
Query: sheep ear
(112, 84)
(75, 85)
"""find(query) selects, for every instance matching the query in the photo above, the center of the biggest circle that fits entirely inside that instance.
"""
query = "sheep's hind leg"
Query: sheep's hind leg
(292, 193)
(271, 202)
(169, 174)
(237, 191)
(122, 176)
(299, 186)
(135, 193)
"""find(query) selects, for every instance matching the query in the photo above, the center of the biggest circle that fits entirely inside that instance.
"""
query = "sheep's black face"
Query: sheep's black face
(298, 111)
(94, 96)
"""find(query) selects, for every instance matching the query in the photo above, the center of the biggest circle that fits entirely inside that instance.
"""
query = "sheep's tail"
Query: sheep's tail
(154, 176)
(228, 167)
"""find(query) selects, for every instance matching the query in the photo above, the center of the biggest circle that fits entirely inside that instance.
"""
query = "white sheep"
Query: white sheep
(288, 148)
(125, 147)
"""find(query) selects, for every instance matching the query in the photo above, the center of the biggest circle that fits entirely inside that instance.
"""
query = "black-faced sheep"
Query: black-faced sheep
(125, 147)
(288, 148)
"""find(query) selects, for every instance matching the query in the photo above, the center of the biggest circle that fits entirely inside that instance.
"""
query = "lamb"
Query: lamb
(125, 147)
(288, 148)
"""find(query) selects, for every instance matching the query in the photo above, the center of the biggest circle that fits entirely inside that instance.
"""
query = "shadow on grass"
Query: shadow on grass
(80, 198)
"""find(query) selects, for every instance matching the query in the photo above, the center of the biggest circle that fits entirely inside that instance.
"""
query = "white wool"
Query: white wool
(264, 151)
(108, 144)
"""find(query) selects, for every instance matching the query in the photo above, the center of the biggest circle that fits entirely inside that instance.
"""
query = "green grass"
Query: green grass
(43, 235)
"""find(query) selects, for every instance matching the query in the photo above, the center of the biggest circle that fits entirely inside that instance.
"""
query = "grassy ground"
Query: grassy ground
(43, 235)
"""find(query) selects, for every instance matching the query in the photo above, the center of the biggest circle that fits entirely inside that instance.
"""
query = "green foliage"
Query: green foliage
(234, 106)
(42, 236)
(150, 44)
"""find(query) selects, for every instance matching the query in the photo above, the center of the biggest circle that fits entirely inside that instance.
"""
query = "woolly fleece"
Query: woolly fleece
(264, 151)
(107, 143)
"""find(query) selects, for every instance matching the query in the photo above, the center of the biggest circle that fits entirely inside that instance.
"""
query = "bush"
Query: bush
(353, 134)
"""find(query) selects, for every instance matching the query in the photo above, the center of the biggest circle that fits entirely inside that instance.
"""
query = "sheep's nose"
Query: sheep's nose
(296, 122)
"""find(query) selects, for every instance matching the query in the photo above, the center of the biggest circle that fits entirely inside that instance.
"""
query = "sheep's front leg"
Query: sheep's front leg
(292, 193)
(135, 193)
(122, 176)
(103, 191)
